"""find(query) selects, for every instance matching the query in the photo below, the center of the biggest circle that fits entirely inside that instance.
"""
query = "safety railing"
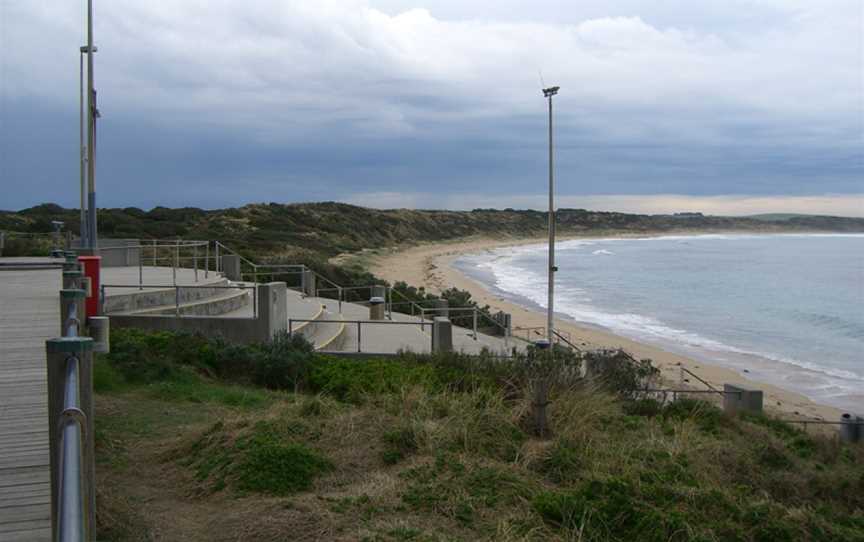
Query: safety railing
(565, 339)
(178, 301)
(69, 378)
(358, 325)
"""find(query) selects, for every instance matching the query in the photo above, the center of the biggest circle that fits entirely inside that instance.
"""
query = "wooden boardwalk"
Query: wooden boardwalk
(29, 315)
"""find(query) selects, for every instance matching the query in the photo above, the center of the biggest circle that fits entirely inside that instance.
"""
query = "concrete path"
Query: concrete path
(30, 315)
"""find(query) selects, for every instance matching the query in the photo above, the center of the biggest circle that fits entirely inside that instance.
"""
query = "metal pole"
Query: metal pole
(207, 260)
(475, 324)
(255, 302)
(176, 301)
(551, 300)
(82, 152)
(141, 267)
(154, 253)
(176, 258)
(195, 260)
(92, 240)
(217, 257)
(359, 349)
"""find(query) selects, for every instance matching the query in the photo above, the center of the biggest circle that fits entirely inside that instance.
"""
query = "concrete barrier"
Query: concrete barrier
(442, 335)
(376, 308)
(741, 398)
(272, 318)
(310, 283)
(231, 267)
(100, 331)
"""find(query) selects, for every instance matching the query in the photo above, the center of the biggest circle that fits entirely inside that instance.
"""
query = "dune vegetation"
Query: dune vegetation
(201, 440)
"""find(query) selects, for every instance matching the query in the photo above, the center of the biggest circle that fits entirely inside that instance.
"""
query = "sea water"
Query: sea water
(787, 309)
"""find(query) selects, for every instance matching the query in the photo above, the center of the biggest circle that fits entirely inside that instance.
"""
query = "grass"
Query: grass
(413, 458)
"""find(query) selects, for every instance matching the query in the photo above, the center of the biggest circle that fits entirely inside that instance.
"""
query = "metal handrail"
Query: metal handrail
(359, 323)
(72, 503)
(556, 333)
(700, 379)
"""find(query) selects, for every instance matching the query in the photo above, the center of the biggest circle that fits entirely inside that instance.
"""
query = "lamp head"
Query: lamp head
(551, 91)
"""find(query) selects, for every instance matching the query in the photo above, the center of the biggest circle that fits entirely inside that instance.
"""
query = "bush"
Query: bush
(620, 372)
(284, 363)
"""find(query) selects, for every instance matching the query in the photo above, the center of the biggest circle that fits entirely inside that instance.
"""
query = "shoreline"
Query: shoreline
(431, 265)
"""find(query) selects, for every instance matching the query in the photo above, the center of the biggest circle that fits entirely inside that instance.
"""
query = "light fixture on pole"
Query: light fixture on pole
(550, 310)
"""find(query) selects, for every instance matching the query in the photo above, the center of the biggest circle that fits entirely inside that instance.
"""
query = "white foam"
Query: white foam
(525, 283)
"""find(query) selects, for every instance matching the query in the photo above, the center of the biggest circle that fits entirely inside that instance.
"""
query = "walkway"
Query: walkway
(29, 316)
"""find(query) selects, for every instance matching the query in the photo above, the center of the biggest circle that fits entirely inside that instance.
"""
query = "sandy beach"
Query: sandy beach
(430, 265)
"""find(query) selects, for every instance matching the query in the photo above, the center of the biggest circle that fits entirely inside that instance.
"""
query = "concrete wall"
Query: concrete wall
(236, 330)
(272, 318)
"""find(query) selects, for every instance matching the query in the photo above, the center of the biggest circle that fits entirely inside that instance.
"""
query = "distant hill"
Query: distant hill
(329, 228)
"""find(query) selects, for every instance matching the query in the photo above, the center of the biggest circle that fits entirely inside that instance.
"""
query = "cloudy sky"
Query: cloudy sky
(726, 106)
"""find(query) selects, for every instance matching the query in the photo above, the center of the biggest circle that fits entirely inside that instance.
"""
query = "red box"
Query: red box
(90, 267)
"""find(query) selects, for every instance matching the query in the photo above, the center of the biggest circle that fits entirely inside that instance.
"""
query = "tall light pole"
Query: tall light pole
(550, 311)
(92, 113)
(82, 145)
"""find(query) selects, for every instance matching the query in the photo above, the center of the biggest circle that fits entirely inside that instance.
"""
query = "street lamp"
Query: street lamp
(92, 114)
(550, 311)
(82, 146)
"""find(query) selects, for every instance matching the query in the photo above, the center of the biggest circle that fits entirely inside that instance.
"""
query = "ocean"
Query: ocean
(787, 309)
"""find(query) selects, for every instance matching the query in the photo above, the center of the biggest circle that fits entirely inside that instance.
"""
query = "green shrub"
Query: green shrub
(643, 407)
(352, 380)
(708, 417)
(105, 377)
(270, 465)
(620, 372)
(613, 510)
(284, 363)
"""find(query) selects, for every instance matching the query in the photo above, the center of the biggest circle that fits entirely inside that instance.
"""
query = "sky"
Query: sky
(726, 107)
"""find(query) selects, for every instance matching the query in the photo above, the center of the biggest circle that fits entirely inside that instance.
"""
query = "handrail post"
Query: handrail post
(475, 323)
(140, 266)
(359, 328)
(218, 263)
(176, 262)
(207, 260)
(176, 301)
(255, 301)
(195, 260)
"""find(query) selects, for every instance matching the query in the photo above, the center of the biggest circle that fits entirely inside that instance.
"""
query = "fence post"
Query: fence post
(72, 311)
(475, 323)
(58, 352)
